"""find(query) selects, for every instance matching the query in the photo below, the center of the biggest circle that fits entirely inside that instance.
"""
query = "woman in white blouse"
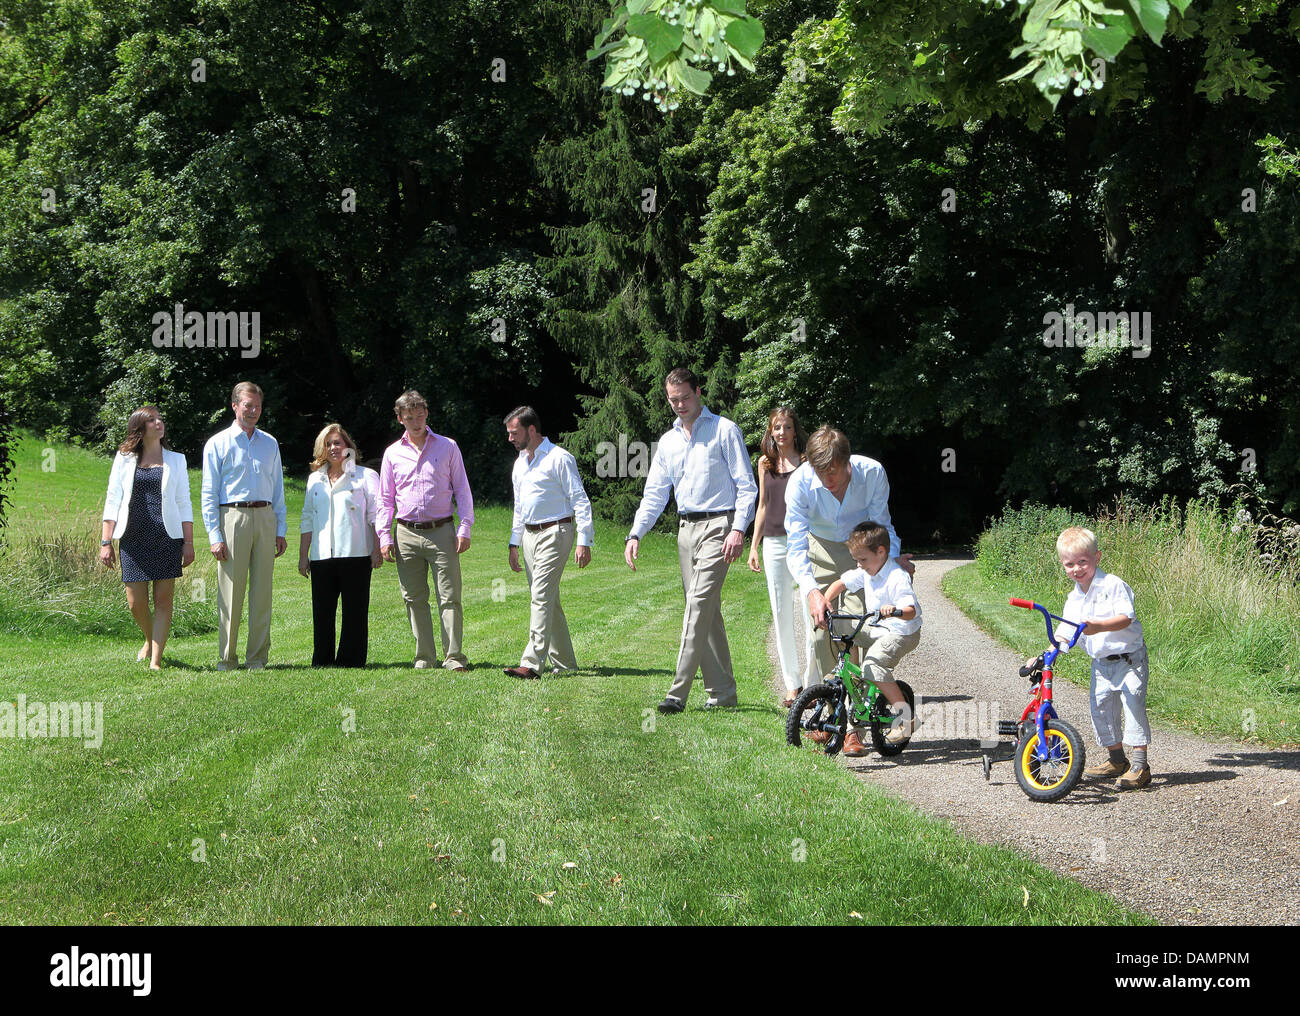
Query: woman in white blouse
(148, 511)
(338, 547)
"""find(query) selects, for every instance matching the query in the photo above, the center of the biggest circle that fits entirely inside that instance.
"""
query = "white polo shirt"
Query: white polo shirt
(1107, 596)
(889, 585)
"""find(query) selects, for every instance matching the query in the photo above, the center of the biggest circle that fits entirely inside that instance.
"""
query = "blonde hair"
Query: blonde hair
(1078, 540)
(827, 447)
(318, 456)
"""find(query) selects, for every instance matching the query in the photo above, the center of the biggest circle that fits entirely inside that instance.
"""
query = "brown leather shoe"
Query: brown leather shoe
(816, 736)
(1135, 779)
(524, 672)
(853, 747)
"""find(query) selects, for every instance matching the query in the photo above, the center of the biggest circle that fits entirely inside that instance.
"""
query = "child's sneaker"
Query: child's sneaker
(1105, 770)
(1135, 779)
(900, 729)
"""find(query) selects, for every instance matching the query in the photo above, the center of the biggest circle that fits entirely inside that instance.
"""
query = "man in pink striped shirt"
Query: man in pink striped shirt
(422, 472)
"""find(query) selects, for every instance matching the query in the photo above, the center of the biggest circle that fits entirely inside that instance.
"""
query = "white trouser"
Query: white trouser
(1119, 700)
(784, 597)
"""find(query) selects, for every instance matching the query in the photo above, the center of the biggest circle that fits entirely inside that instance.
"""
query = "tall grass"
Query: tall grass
(52, 581)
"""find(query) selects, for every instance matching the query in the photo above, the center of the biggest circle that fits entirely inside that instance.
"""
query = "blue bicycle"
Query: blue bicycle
(1048, 752)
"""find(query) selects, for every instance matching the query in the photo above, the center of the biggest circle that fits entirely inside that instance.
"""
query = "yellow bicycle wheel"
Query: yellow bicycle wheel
(1052, 778)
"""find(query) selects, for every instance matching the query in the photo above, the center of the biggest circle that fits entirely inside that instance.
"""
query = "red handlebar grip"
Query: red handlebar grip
(1022, 603)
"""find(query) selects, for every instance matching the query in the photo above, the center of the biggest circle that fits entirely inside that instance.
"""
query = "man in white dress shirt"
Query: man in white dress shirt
(703, 462)
(551, 511)
(829, 494)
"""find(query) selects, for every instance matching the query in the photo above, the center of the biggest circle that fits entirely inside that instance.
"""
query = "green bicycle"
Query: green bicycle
(822, 712)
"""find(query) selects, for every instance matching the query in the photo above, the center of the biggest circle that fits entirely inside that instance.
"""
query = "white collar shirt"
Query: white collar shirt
(1107, 596)
(709, 471)
(889, 585)
(811, 508)
(547, 489)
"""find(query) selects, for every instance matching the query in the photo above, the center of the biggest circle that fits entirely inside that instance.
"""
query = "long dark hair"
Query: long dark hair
(135, 430)
(768, 445)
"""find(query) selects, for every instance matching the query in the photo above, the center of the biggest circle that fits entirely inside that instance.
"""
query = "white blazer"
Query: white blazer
(341, 519)
(175, 493)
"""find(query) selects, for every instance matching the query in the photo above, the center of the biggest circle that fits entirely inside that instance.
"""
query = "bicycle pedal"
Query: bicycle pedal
(1008, 728)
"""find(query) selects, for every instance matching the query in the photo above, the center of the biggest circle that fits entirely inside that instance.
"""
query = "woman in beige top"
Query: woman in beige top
(782, 451)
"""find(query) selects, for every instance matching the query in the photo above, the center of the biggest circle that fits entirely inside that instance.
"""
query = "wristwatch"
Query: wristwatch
(105, 543)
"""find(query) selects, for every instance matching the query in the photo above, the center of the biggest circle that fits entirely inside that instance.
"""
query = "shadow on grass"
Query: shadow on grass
(621, 672)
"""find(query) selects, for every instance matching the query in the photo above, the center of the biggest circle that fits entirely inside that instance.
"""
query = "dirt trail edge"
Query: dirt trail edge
(1214, 839)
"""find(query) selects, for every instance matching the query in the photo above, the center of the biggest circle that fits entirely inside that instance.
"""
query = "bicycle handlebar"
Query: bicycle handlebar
(1049, 657)
(834, 615)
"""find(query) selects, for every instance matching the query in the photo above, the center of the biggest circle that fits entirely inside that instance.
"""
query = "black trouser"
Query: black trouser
(349, 578)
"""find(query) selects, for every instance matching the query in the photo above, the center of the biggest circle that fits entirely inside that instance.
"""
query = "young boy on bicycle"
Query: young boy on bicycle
(1112, 636)
(887, 588)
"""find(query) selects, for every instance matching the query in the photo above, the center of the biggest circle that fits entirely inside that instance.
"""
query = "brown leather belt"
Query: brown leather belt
(539, 526)
(247, 504)
(425, 525)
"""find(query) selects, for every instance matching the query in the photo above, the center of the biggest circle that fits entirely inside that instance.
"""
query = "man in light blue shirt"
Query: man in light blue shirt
(243, 511)
(703, 462)
(551, 511)
(829, 494)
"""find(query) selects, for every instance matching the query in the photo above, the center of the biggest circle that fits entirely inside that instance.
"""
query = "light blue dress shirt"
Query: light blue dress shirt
(237, 467)
(549, 488)
(708, 472)
(810, 507)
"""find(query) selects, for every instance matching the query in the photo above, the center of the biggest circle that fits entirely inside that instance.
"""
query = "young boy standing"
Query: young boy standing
(1112, 636)
(887, 588)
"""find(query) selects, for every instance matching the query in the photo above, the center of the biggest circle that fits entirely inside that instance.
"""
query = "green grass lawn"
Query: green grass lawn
(1192, 685)
(242, 797)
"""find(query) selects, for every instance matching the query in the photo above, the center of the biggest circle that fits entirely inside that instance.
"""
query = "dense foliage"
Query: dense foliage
(871, 225)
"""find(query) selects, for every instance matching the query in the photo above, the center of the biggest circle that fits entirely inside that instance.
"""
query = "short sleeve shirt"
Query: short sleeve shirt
(889, 585)
(1107, 596)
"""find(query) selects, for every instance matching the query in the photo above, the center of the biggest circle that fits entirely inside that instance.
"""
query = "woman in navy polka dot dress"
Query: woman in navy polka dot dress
(148, 511)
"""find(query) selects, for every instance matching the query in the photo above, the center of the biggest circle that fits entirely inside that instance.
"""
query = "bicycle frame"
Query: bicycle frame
(860, 706)
(1041, 704)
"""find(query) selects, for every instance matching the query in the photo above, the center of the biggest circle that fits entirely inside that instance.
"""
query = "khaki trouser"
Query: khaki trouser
(418, 550)
(249, 566)
(829, 561)
(704, 639)
(545, 555)
(882, 657)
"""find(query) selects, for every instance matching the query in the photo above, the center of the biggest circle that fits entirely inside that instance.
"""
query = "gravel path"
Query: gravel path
(1214, 839)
